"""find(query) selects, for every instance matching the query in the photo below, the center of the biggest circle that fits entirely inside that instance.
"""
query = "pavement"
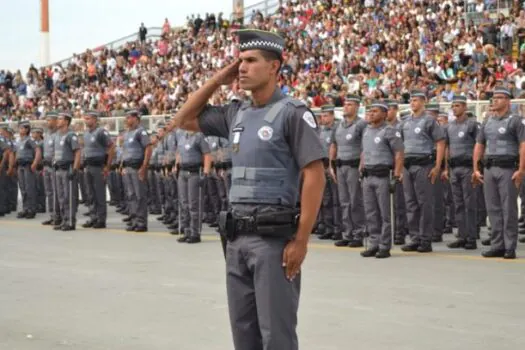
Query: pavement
(110, 289)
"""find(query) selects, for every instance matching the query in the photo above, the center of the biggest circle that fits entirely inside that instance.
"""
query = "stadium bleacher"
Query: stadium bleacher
(376, 48)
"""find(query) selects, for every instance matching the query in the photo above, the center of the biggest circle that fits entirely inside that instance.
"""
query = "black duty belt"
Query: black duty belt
(94, 162)
(377, 172)
(192, 168)
(155, 167)
(354, 163)
(22, 163)
(420, 161)
(460, 162)
(114, 166)
(134, 164)
(505, 163)
(223, 165)
(47, 163)
(277, 225)
(62, 166)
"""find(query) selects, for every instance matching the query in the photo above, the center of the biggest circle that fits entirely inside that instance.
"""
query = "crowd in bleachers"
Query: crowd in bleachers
(376, 48)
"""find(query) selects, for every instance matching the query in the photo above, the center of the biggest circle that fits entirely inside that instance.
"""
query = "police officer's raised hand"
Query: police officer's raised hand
(434, 174)
(517, 178)
(477, 178)
(228, 74)
(293, 257)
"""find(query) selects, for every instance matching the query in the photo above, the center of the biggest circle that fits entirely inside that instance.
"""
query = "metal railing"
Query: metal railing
(153, 33)
(115, 124)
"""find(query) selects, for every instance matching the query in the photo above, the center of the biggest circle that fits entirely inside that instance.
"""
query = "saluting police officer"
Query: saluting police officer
(383, 154)
(329, 223)
(67, 166)
(194, 162)
(461, 136)
(421, 135)
(345, 154)
(28, 156)
(274, 139)
(99, 151)
(137, 152)
(501, 142)
(400, 222)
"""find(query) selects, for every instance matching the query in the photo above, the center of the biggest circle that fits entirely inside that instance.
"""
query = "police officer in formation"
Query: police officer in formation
(345, 154)
(224, 168)
(66, 163)
(422, 135)
(400, 222)
(136, 155)
(382, 168)
(501, 145)
(49, 171)
(461, 134)
(28, 156)
(98, 156)
(154, 196)
(171, 198)
(212, 191)
(329, 223)
(194, 165)
(273, 140)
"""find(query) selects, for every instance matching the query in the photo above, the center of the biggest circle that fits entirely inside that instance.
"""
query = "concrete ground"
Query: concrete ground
(115, 290)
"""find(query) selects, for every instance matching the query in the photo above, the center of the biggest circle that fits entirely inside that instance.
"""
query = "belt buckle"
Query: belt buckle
(246, 224)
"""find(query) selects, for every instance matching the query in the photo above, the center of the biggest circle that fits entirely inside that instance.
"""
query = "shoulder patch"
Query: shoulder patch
(74, 137)
(398, 134)
(308, 117)
(144, 133)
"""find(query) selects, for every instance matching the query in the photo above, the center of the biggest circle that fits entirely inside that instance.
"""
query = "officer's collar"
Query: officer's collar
(504, 116)
(346, 123)
(276, 96)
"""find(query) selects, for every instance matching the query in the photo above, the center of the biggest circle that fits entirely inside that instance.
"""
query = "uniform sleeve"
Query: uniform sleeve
(73, 140)
(143, 138)
(447, 139)
(106, 139)
(361, 127)
(481, 135)
(216, 120)
(204, 145)
(518, 127)
(332, 135)
(394, 139)
(302, 137)
(474, 129)
(435, 130)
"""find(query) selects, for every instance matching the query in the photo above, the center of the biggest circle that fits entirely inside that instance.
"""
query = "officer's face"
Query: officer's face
(51, 124)
(24, 131)
(350, 108)
(417, 104)
(255, 71)
(327, 118)
(459, 109)
(500, 103)
(61, 122)
(392, 114)
(376, 115)
(131, 121)
(160, 133)
(90, 121)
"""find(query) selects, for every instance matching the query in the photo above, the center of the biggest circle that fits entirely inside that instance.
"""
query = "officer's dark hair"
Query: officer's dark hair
(272, 56)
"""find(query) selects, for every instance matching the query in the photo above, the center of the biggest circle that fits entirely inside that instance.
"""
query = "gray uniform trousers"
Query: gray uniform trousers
(137, 193)
(400, 212)
(3, 186)
(12, 189)
(214, 200)
(481, 207)
(351, 203)
(67, 201)
(51, 193)
(465, 202)
(502, 207)
(330, 210)
(376, 195)
(153, 197)
(170, 195)
(262, 303)
(96, 186)
(159, 190)
(188, 185)
(87, 196)
(27, 183)
(419, 197)
(450, 210)
(224, 188)
(522, 198)
(438, 202)
(41, 192)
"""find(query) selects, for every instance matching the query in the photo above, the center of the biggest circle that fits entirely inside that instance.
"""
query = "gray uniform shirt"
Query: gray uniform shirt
(461, 138)
(65, 146)
(501, 136)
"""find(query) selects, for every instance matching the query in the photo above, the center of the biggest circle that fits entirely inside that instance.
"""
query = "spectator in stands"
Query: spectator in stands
(143, 32)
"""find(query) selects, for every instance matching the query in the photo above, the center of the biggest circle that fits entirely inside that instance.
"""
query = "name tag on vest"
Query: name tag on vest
(236, 138)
